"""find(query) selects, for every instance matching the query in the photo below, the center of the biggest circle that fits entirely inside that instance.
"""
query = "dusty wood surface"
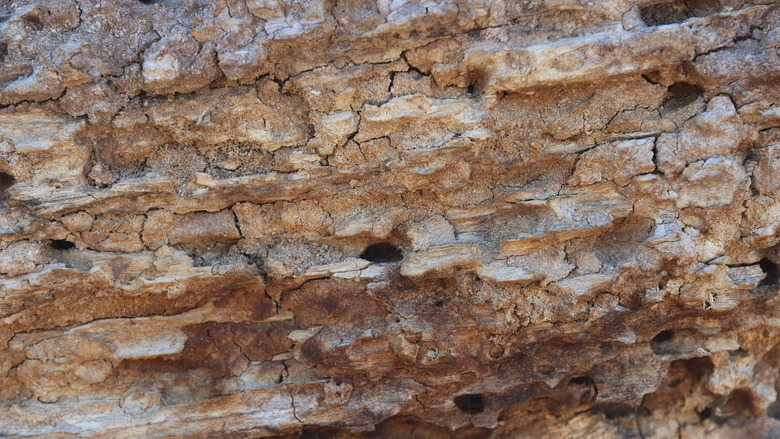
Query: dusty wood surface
(254, 218)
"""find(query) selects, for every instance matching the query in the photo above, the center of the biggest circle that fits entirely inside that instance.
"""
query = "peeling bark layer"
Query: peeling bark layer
(255, 218)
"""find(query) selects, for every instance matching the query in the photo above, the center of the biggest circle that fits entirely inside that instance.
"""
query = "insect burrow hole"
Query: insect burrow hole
(470, 404)
(61, 244)
(6, 181)
(382, 252)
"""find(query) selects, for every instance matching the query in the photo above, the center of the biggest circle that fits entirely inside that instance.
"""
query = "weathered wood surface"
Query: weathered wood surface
(253, 218)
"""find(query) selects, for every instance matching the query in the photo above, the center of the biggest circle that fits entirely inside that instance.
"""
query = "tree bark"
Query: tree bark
(256, 218)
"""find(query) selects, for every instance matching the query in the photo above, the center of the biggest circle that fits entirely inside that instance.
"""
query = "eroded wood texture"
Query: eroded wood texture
(256, 218)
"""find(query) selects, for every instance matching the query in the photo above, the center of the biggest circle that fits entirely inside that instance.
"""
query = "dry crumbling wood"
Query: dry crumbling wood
(251, 218)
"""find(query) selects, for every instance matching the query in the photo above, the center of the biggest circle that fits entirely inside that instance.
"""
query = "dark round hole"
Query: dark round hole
(6, 181)
(382, 252)
(771, 271)
(681, 94)
(581, 381)
(705, 414)
(470, 404)
(668, 12)
(676, 11)
(148, 2)
(663, 336)
(697, 368)
(61, 244)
